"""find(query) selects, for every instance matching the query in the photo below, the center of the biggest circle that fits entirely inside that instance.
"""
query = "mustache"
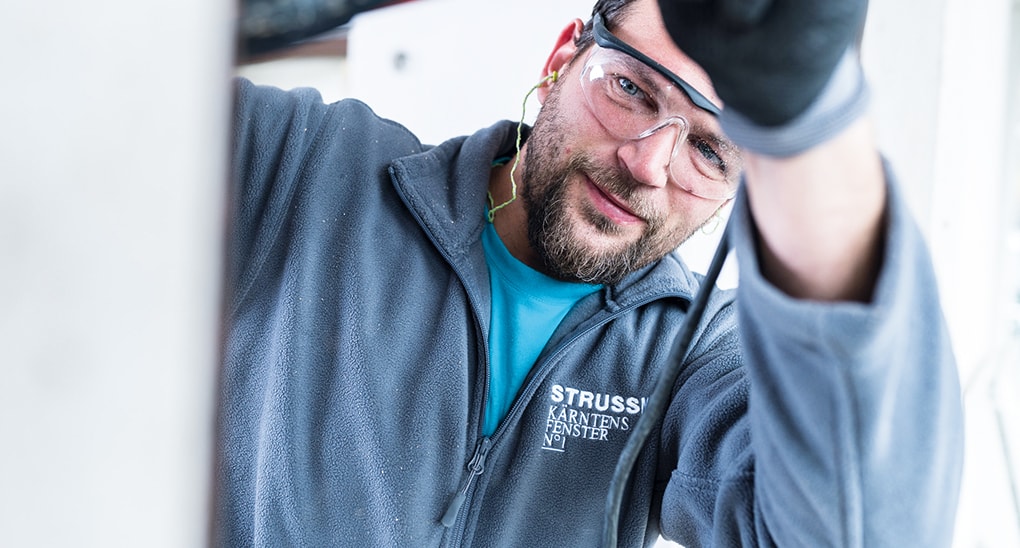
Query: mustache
(617, 182)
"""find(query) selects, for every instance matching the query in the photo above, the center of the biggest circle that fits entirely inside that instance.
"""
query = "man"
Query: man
(449, 346)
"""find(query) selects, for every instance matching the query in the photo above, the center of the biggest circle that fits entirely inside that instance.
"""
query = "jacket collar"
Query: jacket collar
(446, 186)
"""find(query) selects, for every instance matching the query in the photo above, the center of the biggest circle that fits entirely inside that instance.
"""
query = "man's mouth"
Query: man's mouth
(610, 205)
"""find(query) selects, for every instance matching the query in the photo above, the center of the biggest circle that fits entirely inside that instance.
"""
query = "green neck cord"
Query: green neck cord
(513, 183)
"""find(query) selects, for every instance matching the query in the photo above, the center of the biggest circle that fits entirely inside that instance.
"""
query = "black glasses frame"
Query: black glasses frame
(606, 39)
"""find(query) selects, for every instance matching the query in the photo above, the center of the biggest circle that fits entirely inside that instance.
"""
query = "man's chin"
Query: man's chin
(605, 237)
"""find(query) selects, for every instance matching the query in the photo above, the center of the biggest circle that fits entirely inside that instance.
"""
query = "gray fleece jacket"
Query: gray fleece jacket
(355, 372)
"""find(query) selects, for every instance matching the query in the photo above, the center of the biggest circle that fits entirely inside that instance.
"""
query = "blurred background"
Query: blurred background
(113, 134)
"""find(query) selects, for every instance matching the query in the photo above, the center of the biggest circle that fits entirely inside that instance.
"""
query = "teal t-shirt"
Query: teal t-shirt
(527, 306)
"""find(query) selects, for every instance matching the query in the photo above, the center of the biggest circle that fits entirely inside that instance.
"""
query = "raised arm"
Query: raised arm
(795, 97)
(854, 407)
(819, 216)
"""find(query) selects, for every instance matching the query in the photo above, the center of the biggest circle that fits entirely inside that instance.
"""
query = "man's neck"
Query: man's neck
(511, 221)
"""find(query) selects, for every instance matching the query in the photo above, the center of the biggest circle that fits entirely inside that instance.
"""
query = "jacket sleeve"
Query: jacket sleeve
(843, 427)
(273, 131)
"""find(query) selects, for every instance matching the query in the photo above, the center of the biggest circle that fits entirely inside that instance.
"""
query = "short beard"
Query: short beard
(565, 257)
(550, 231)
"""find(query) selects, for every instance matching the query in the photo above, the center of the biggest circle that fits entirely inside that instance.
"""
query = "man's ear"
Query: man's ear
(562, 53)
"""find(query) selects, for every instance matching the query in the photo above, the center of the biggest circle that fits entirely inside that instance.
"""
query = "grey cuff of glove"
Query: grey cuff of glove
(843, 100)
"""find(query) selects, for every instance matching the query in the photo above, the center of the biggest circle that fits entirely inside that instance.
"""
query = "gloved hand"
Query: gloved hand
(785, 69)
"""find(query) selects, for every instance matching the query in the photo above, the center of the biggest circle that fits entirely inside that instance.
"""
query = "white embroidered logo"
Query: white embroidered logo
(581, 414)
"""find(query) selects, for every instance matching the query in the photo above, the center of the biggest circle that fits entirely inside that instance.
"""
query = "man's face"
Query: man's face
(600, 207)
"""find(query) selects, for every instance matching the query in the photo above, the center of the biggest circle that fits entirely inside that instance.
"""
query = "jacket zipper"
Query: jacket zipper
(475, 467)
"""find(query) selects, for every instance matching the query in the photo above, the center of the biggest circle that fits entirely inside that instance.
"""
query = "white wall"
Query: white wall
(112, 154)
(449, 67)
(944, 75)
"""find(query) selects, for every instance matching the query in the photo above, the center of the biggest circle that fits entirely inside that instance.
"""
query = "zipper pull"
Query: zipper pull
(474, 467)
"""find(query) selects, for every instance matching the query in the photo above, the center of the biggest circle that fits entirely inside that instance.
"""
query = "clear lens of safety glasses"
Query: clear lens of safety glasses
(633, 101)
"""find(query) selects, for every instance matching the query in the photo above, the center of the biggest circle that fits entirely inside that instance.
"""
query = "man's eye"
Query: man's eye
(709, 154)
(630, 95)
(628, 86)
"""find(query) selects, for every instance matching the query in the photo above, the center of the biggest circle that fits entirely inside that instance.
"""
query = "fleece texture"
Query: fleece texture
(356, 353)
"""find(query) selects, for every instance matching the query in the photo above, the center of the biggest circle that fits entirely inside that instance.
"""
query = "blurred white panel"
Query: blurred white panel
(940, 73)
(969, 229)
(975, 215)
(112, 170)
(902, 57)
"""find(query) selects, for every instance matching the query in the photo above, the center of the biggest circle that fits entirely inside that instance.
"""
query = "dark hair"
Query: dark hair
(613, 13)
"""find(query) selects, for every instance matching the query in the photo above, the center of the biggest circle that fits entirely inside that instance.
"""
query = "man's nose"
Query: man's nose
(648, 156)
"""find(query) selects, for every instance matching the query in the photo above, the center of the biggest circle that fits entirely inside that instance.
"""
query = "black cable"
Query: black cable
(656, 405)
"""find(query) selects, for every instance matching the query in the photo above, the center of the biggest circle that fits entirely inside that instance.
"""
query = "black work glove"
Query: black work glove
(787, 70)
